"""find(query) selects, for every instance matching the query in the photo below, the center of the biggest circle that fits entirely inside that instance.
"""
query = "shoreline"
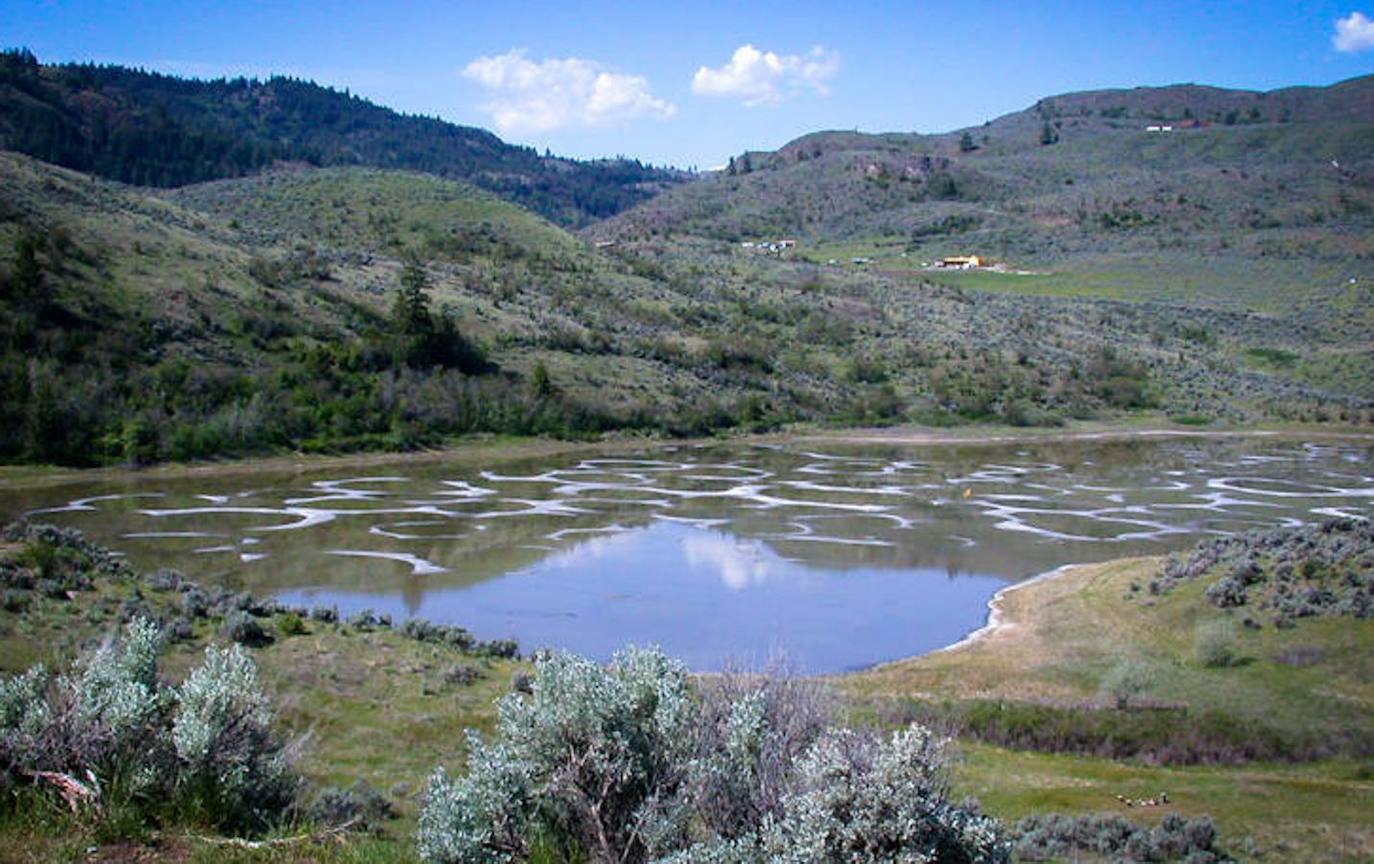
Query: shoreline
(995, 621)
(921, 436)
(497, 448)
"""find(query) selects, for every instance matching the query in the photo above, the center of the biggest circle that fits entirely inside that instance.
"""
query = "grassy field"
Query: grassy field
(1054, 641)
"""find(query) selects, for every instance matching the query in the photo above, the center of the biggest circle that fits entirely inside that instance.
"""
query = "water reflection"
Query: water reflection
(704, 595)
(672, 544)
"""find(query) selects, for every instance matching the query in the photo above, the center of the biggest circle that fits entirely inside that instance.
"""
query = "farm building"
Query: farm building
(961, 262)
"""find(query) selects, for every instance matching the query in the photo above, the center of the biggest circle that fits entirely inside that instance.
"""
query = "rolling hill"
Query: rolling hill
(261, 313)
(1248, 198)
(1217, 274)
(158, 130)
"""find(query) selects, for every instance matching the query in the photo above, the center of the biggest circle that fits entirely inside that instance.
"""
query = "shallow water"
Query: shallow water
(837, 557)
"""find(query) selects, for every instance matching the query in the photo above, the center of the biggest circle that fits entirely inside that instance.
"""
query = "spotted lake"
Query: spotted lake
(836, 556)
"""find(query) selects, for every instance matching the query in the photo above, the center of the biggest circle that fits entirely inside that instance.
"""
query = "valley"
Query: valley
(399, 429)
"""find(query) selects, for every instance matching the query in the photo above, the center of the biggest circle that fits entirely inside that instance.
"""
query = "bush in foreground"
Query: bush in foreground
(111, 740)
(631, 762)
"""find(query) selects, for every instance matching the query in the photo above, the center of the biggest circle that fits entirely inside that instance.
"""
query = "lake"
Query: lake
(836, 557)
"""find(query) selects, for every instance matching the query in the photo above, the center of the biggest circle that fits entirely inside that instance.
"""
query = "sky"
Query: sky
(689, 84)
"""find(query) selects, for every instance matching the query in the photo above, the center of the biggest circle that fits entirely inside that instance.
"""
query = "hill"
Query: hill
(1217, 273)
(149, 129)
(348, 308)
(1246, 199)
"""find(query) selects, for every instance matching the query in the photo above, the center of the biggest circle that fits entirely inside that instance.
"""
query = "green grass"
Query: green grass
(1070, 630)
(1314, 812)
(1061, 637)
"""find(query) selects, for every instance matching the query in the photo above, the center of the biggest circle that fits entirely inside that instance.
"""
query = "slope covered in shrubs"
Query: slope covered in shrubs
(1282, 574)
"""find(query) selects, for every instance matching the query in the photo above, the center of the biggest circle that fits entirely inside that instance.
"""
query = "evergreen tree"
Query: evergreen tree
(410, 314)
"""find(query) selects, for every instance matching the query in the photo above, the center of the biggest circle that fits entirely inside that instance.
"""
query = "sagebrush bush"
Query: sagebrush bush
(204, 750)
(1053, 837)
(244, 629)
(232, 767)
(630, 763)
(1127, 680)
(359, 806)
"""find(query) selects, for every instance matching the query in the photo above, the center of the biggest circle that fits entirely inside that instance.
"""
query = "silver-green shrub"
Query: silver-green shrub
(751, 731)
(630, 763)
(100, 723)
(231, 766)
(116, 687)
(1126, 680)
(24, 705)
(593, 753)
(1214, 643)
(858, 799)
(206, 748)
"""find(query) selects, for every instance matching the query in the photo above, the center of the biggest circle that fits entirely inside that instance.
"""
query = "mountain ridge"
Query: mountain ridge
(152, 129)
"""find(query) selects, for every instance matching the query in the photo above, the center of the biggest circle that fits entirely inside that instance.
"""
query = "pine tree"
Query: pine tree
(410, 314)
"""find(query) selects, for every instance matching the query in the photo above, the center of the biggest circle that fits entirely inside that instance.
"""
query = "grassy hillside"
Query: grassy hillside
(1035, 692)
(1270, 194)
(377, 212)
(261, 313)
(160, 130)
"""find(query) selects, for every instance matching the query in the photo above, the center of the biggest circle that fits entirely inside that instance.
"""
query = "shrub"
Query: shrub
(195, 603)
(1214, 644)
(503, 648)
(626, 763)
(138, 748)
(1126, 680)
(16, 601)
(593, 744)
(364, 619)
(166, 580)
(359, 806)
(233, 770)
(1056, 837)
(290, 624)
(244, 629)
(462, 675)
(180, 630)
(860, 800)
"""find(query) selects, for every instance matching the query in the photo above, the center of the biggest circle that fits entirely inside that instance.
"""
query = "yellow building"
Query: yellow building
(962, 262)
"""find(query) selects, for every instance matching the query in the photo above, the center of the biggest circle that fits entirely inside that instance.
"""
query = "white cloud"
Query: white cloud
(738, 563)
(759, 77)
(543, 95)
(1354, 33)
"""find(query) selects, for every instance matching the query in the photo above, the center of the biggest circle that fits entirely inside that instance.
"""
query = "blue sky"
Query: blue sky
(692, 83)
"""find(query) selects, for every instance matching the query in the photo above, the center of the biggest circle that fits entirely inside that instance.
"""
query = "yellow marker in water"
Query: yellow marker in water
(968, 493)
